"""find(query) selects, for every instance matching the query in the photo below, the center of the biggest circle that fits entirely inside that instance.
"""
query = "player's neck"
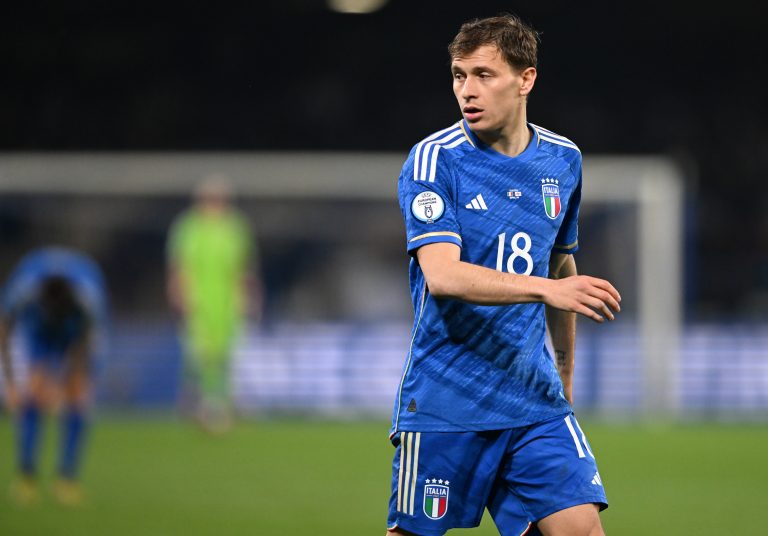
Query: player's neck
(212, 211)
(510, 140)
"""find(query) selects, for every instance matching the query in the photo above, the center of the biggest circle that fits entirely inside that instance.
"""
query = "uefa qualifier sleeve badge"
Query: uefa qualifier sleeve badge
(428, 207)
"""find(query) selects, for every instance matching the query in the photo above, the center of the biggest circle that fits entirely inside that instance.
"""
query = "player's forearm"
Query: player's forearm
(483, 286)
(562, 326)
(562, 329)
(449, 277)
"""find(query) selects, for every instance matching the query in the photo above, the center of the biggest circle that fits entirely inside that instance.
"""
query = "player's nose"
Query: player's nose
(468, 89)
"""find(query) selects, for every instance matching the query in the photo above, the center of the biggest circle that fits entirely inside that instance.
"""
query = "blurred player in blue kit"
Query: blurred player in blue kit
(483, 415)
(55, 300)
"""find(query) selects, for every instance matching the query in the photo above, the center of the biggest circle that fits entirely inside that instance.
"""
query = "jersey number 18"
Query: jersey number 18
(517, 252)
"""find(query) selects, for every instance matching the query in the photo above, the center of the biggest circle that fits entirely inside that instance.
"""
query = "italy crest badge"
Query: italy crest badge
(550, 191)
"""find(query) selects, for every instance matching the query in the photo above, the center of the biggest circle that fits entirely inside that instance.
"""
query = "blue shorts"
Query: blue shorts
(445, 480)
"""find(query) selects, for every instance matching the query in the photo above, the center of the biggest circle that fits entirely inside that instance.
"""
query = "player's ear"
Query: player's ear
(529, 79)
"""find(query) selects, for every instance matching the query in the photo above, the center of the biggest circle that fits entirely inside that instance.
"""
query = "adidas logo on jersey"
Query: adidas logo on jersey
(478, 203)
(596, 480)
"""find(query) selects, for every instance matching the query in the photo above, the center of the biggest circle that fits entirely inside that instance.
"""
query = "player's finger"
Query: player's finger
(606, 285)
(589, 313)
(600, 307)
(607, 298)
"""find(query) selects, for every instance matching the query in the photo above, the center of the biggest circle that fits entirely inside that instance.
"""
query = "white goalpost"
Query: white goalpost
(655, 186)
(651, 186)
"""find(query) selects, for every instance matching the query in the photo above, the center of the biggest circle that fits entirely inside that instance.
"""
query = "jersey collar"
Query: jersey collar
(526, 155)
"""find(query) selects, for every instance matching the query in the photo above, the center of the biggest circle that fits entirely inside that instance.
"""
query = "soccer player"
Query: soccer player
(209, 247)
(56, 301)
(483, 415)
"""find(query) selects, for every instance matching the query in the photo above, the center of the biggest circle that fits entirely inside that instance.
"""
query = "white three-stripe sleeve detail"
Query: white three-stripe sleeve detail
(429, 165)
(425, 161)
(575, 438)
(481, 201)
(549, 133)
(583, 437)
(544, 132)
(558, 142)
(416, 162)
(433, 164)
(421, 144)
(420, 160)
(456, 143)
(415, 470)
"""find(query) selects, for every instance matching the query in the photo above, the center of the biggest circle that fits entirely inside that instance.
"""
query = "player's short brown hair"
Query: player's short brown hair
(517, 41)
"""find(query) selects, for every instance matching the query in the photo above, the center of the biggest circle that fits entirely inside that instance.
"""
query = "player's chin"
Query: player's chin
(478, 125)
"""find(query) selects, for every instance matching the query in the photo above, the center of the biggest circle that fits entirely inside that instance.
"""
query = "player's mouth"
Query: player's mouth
(472, 113)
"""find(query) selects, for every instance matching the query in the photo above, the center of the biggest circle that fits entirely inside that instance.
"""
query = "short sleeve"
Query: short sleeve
(567, 240)
(427, 195)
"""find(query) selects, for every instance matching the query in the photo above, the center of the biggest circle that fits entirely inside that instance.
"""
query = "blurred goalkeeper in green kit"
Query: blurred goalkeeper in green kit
(209, 250)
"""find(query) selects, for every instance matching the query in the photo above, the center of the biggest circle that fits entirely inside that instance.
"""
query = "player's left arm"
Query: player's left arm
(562, 324)
(11, 393)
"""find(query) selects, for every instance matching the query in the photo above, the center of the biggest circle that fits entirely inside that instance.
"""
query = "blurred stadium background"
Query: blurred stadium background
(111, 115)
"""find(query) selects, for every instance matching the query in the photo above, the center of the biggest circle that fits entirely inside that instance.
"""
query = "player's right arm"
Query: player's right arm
(448, 276)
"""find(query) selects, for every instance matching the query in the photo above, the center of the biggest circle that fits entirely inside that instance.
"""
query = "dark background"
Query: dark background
(666, 78)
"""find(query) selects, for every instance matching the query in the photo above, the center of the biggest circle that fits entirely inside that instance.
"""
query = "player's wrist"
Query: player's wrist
(541, 289)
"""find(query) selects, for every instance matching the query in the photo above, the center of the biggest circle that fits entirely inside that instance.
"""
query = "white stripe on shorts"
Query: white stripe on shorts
(575, 437)
(415, 471)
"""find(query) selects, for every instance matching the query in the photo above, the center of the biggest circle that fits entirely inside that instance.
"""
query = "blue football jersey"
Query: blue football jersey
(19, 297)
(480, 367)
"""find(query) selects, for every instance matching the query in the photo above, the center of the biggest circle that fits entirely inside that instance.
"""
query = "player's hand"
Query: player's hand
(594, 298)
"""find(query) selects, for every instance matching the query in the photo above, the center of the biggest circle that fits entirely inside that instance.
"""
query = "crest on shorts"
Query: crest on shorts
(435, 498)
(550, 191)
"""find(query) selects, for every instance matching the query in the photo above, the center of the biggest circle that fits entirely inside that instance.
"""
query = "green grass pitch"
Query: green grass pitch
(154, 476)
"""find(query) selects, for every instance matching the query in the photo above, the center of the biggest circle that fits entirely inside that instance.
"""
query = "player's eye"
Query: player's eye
(458, 76)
